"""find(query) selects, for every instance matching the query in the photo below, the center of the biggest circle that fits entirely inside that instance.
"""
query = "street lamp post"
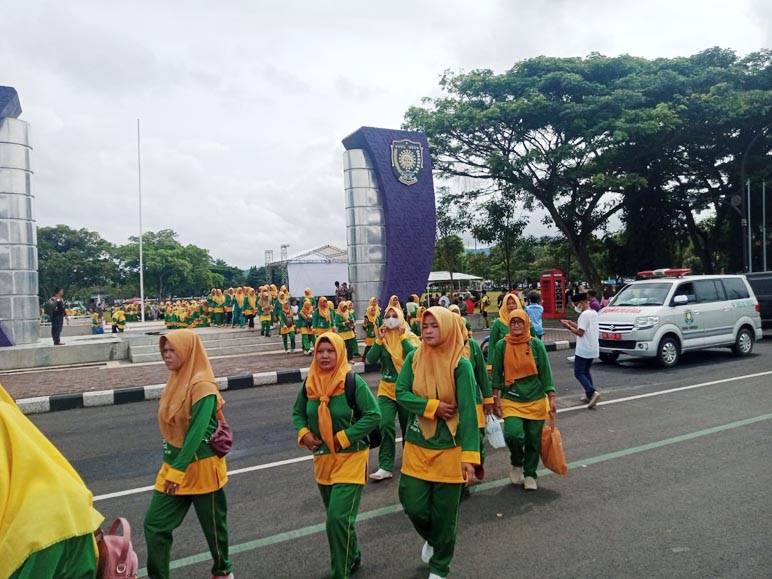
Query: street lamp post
(141, 268)
(747, 257)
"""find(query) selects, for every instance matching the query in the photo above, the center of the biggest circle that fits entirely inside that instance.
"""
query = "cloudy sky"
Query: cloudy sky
(243, 104)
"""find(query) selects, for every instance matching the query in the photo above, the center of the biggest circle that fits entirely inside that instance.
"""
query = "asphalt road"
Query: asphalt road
(669, 477)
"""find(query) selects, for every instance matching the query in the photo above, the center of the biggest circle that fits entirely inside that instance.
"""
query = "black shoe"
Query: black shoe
(356, 564)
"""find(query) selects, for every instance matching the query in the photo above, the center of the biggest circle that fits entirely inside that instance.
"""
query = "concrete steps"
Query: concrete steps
(222, 343)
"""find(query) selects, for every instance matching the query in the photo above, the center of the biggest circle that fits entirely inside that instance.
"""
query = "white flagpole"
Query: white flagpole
(141, 268)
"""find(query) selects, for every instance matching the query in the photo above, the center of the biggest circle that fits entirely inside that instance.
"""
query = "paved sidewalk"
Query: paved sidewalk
(113, 384)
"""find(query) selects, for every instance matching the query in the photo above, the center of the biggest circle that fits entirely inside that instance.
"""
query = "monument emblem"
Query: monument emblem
(407, 161)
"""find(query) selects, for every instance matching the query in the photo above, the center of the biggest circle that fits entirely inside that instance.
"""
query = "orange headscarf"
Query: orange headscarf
(186, 386)
(324, 308)
(464, 331)
(322, 386)
(434, 368)
(286, 308)
(373, 310)
(518, 358)
(504, 312)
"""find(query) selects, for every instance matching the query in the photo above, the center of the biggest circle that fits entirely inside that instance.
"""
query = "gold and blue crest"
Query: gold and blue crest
(407, 161)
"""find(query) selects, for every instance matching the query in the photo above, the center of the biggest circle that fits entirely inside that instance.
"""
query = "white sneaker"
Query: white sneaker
(427, 552)
(381, 474)
(530, 484)
(516, 475)
(593, 402)
(571, 358)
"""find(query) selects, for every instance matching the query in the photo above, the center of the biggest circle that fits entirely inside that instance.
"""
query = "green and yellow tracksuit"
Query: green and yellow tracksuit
(287, 330)
(483, 390)
(341, 476)
(525, 405)
(432, 481)
(387, 400)
(348, 335)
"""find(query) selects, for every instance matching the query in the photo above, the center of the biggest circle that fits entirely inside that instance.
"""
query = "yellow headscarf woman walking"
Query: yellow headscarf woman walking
(47, 518)
(191, 472)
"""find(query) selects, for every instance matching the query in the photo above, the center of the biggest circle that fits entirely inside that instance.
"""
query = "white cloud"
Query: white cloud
(244, 104)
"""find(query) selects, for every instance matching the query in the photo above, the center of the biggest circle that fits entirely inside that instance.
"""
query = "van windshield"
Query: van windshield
(642, 294)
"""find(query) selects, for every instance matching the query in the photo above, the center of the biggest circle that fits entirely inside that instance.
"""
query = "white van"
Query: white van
(663, 317)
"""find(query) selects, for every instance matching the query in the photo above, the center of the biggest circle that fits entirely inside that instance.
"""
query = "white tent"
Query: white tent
(317, 269)
(440, 276)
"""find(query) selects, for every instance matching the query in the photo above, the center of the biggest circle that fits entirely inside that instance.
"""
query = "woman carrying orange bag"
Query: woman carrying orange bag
(525, 396)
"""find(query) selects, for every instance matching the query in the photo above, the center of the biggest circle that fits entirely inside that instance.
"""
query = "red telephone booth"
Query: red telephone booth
(553, 293)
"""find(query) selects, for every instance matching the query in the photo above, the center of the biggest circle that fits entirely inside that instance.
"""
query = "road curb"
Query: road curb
(58, 402)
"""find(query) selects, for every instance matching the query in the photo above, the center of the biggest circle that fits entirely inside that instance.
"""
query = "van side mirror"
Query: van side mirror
(680, 301)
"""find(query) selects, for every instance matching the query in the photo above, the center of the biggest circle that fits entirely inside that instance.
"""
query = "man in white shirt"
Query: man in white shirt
(444, 300)
(587, 346)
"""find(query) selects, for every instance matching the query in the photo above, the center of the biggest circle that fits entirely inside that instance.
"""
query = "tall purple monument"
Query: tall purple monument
(390, 213)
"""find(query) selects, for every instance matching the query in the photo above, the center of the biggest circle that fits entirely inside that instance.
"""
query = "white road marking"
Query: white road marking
(569, 409)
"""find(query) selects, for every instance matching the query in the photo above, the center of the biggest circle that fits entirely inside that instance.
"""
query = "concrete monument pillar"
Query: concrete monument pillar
(19, 307)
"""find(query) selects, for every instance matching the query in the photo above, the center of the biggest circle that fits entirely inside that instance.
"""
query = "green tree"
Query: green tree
(255, 276)
(497, 225)
(73, 259)
(231, 276)
(449, 247)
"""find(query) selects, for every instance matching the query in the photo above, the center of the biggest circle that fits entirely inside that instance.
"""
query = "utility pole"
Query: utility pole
(750, 229)
(764, 225)
(141, 268)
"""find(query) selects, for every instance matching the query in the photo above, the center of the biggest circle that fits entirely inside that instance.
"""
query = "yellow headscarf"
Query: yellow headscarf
(265, 300)
(219, 298)
(308, 293)
(342, 309)
(504, 312)
(373, 310)
(43, 500)
(464, 331)
(186, 386)
(307, 311)
(414, 298)
(282, 297)
(393, 339)
(420, 314)
(394, 302)
(252, 299)
(322, 386)
(434, 368)
(324, 308)
(286, 308)
(518, 358)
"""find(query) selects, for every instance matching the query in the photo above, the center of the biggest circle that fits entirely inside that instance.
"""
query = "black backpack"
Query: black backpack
(350, 389)
(50, 307)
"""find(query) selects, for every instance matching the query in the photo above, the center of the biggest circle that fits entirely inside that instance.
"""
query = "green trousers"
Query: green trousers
(482, 446)
(238, 318)
(523, 437)
(342, 504)
(166, 513)
(352, 348)
(265, 329)
(389, 411)
(433, 509)
(73, 558)
(308, 342)
(288, 338)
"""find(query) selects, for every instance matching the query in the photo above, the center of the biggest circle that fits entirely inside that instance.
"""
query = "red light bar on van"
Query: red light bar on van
(663, 272)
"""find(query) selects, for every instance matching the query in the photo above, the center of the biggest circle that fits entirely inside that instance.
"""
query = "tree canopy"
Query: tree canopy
(657, 142)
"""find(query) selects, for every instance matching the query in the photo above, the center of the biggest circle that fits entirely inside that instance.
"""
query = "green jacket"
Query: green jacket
(305, 415)
(467, 434)
(379, 354)
(529, 388)
(203, 422)
(480, 371)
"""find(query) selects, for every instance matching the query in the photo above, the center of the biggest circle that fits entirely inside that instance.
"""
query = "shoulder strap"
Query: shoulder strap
(351, 392)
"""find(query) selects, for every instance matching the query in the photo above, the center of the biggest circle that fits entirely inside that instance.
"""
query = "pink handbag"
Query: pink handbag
(117, 559)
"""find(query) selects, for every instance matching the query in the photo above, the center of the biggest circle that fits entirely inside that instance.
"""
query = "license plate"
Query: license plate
(611, 336)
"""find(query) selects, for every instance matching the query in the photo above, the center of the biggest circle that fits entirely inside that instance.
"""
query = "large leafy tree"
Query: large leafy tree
(73, 259)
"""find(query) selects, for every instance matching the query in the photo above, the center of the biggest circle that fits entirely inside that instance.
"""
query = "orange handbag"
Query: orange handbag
(552, 454)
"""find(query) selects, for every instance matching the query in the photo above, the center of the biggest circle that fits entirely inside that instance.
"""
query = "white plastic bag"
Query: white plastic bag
(493, 432)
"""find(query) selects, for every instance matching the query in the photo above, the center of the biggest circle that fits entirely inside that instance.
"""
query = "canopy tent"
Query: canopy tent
(440, 276)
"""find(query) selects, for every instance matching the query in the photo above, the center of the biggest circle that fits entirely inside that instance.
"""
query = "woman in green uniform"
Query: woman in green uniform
(412, 308)
(287, 329)
(323, 317)
(218, 312)
(47, 518)
(191, 472)
(238, 308)
(265, 308)
(344, 327)
(309, 295)
(370, 324)
(250, 309)
(229, 307)
(500, 327)
(442, 444)
(415, 326)
(391, 348)
(306, 321)
(525, 396)
(326, 426)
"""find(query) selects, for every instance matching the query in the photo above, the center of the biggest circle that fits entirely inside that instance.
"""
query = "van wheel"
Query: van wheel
(668, 352)
(608, 358)
(743, 345)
